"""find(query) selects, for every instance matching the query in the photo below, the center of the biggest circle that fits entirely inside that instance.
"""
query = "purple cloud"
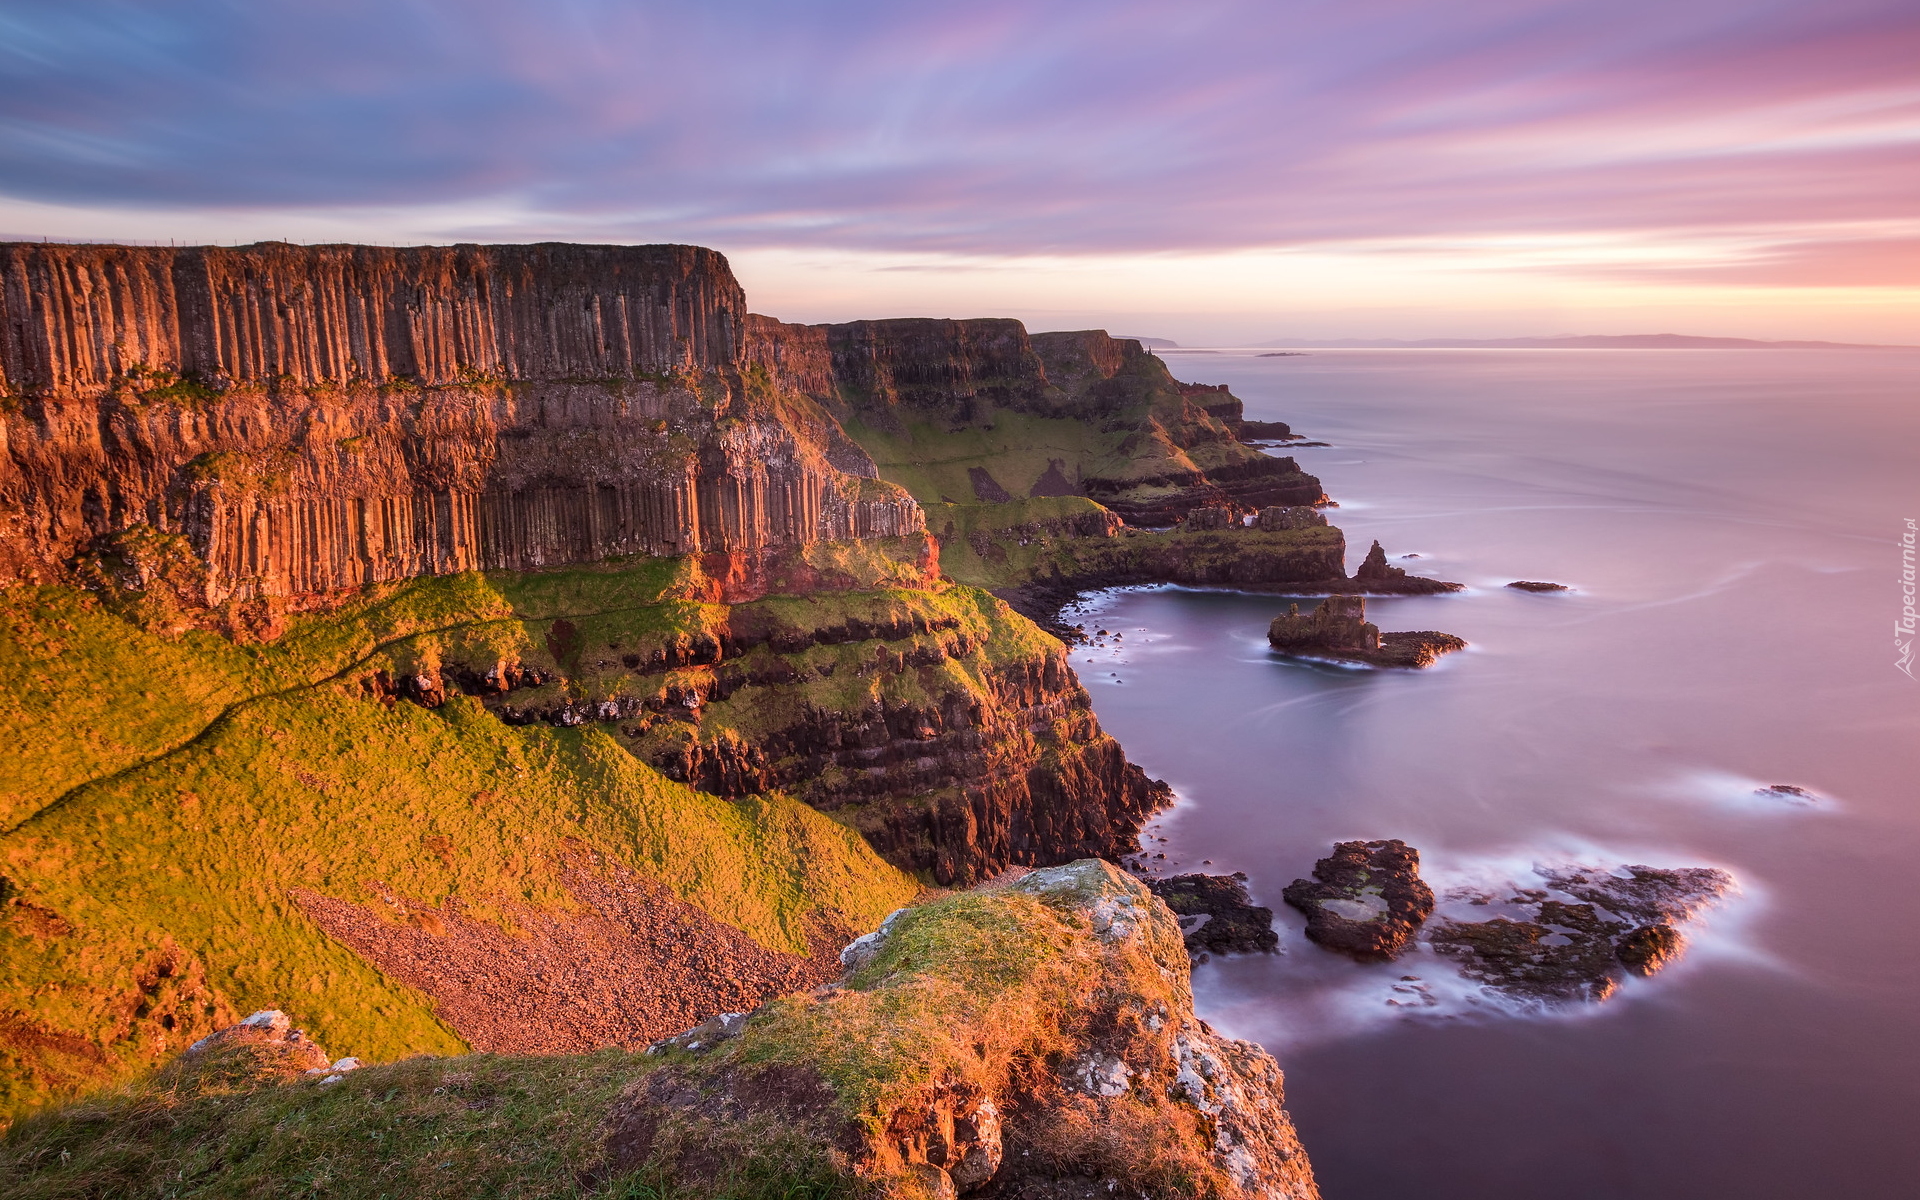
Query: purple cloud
(993, 127)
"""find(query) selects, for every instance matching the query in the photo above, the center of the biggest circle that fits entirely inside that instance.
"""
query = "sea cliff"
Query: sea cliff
(315, 419)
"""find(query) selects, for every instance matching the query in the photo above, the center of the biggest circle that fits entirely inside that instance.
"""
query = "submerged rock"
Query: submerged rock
(1365, 899)
(1339, 629)
(1216, 914)
(1575, 949)
(1534, 585)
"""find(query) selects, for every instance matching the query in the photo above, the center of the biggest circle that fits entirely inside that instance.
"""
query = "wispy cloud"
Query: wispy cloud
(1072, 128)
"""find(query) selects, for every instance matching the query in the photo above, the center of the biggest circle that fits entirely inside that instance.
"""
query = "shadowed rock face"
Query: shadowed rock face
(311, 419)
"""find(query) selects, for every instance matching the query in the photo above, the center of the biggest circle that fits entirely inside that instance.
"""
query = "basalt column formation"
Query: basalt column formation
(311, 419)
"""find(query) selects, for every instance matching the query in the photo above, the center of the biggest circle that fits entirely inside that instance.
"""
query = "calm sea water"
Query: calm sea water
(1729, 522)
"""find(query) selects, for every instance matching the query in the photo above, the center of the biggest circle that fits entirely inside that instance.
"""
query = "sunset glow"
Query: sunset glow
(1222, 171)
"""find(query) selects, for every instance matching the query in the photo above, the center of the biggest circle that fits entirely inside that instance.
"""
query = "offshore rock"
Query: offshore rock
(312, 419)
(1575, 936)
(1217, 916)
(1366, 899)
(1647, 949)
(1377, 577)
(1338, 629)
(1534, 585)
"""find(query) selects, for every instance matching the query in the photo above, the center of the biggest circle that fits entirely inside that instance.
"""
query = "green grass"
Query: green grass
(983, 988)
(171, 790)
(480, 1126)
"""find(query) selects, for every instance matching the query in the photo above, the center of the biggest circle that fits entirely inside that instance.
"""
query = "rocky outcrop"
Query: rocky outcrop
(264, 1048)
(1366, 899)
(1377, 577)
(312, 419)
(1074, 1067)
(1216, 914)
(1535, 585)
(1573, 939)
(1338, 629)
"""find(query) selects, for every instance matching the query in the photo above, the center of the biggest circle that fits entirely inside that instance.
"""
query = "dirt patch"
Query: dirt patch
(637, 965)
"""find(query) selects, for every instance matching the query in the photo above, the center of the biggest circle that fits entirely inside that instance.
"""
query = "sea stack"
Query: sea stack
(1339, 629)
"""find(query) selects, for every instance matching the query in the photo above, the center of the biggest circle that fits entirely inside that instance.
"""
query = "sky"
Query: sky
(1215, 171)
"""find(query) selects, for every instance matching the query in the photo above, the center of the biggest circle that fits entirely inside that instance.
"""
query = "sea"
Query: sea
(1730, 526)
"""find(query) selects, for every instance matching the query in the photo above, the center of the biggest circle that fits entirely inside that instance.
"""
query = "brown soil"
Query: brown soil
(638, 964)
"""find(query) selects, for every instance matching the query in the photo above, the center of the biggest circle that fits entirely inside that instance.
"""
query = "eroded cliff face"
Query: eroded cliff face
(1131, 437)
(312, 419)
(935, 721)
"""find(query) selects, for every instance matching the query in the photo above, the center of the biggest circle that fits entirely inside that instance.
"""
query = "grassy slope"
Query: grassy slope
(174, 789)
(964, 988)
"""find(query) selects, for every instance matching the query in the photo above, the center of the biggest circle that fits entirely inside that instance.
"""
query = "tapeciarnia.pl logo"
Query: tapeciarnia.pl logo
(1903, 628)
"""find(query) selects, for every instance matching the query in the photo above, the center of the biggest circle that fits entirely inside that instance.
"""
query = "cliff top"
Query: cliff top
(1016, 1035)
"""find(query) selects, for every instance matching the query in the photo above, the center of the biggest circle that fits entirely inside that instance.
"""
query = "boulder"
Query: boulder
(1534, 585)
(1217, 916)
(1366, 899)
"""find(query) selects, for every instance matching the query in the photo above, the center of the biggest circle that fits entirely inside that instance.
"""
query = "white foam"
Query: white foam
(1745, 794)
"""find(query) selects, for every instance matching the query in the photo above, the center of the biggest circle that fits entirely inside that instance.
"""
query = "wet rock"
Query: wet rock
(1534, 585)
(1366, 899)
(1566, 955)
(1787, 791)
(1649, 948)
(1574, 946)
(1217, 915)
(1643, 894)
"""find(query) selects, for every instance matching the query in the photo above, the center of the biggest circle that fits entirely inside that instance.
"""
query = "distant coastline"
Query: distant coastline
(1634, 341)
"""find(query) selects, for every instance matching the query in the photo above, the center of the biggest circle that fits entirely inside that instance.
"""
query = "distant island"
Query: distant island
(1149, 343)
(1631, 341)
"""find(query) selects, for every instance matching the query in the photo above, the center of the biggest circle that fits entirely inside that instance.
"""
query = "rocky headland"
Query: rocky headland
(527, 648)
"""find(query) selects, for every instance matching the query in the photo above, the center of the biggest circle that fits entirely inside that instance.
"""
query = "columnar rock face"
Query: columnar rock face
(77, 319)
(317, 418)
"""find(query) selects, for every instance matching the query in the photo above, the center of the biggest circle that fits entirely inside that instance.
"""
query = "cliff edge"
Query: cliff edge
(1031, 1039)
